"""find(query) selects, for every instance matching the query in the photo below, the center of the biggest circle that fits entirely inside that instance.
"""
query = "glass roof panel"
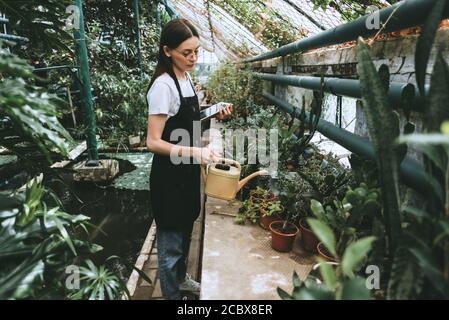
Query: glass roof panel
(227, 33)
(223, 34)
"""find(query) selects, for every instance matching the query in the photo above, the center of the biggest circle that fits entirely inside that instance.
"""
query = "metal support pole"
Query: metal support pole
(170, 10)
(69, 67)
(137, 26)
(339, 112)
(14, 38)
(158, 19)
(86, 88)
(411, 172)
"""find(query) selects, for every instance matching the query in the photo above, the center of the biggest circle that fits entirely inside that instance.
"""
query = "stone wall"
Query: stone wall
(341, 61)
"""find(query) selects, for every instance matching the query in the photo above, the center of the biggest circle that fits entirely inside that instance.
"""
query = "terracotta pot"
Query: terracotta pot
(308, 239)
(323, 252)
(265, 221)
(282, 242)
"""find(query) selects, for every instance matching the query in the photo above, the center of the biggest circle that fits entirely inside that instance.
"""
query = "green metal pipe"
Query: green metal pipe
(138, 42)
(346, 87)
(86, 87)
(406, 14)
(411, 172)
(14, 38)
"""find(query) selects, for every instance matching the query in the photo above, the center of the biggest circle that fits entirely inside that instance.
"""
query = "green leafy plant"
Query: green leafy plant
(351, 218)
(259, 195)
(43, 23)
(37, 244)
(383, 126)
(30, 114)
(339, 281)
(419, 263)
(364, 170)
(234, 83)
(351, 10)
(271, 208)
(422, 245)
(99, 283)
(248, 211)
(259, 198)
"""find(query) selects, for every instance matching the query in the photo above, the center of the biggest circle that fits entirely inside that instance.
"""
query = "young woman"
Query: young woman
(175, 188)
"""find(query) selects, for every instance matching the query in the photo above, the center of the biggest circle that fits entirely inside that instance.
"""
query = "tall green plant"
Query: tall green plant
(29, 113)
(420, 265)
(383, 126)
(428, 232)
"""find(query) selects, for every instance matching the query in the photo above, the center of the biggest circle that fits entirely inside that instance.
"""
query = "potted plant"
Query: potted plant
(250, 208)
(260, 195)
(309, 240)
(283, 234)
(269, 212)
(324, 252)
(295, 195)
(350, 218)
(247, 211)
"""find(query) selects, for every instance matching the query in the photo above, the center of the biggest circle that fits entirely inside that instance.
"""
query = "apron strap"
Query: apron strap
(178, 88)
(191, 83)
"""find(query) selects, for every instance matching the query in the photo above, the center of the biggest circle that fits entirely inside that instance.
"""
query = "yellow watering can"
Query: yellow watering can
(222, 179)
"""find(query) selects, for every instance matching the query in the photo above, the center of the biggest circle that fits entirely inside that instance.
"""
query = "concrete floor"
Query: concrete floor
(238, 261)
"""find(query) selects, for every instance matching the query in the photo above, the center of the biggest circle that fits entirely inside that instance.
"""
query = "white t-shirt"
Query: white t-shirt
(163, 97)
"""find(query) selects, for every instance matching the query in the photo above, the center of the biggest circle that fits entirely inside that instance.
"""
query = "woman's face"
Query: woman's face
(185, 55)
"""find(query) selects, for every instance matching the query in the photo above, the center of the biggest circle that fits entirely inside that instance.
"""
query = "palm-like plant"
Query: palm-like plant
(37, 245)
(28, 114)
(99, 283)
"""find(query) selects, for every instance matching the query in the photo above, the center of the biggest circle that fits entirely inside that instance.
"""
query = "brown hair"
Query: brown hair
(174, 33)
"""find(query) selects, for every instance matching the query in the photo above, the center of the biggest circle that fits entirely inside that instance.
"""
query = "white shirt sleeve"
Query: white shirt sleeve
(159, 98)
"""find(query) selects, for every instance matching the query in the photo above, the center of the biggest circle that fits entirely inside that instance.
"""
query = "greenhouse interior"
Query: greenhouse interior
(311, 161)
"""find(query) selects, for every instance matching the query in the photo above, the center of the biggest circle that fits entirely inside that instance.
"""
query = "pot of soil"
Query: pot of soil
(265, 221)
(308, 239)
(282, 237)
(269, 214)
(323, 252)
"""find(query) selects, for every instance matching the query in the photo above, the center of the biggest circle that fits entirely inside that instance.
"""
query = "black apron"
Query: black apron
(175, 188)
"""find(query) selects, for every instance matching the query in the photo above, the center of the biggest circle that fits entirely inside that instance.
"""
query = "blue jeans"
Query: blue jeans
(172, 251)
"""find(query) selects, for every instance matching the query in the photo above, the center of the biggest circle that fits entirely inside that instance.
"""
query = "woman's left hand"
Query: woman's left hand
(225, 112)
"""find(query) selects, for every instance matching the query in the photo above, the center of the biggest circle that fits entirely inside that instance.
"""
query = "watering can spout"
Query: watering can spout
(222, 179)
(251, 176)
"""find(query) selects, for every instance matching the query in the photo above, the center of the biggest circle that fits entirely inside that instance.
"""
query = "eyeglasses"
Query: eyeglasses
(189, 54)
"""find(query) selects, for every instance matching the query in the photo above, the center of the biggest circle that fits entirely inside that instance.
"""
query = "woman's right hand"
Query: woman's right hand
(205, 155)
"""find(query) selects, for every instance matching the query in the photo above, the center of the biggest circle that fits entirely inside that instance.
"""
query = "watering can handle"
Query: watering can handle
(205, 167)
(230, 161)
